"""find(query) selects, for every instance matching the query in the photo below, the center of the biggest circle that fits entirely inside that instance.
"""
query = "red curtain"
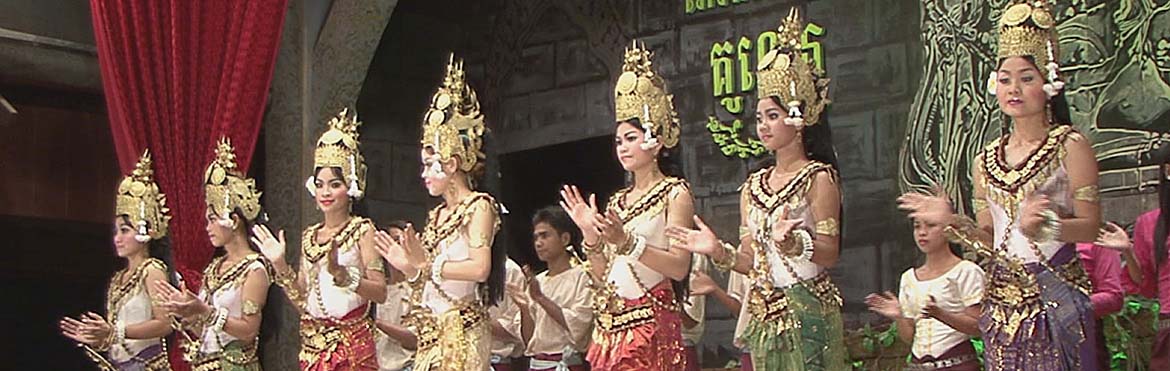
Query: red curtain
(178, 75)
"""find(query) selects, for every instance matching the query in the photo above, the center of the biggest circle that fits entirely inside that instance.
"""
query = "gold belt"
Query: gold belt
(213, 362)
(471, 315)
(768, 304)
(323, 335)
(626, 318)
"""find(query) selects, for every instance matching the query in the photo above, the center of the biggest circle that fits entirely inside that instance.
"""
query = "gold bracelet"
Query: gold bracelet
(627, 246)
(287, 281)
(961, 232)
(590, 249)
(728, 262)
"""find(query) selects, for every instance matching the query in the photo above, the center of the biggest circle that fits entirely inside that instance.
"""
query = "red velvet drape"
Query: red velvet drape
(177, 75)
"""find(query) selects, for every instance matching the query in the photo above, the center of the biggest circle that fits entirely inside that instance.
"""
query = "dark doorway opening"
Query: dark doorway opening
(532, 179)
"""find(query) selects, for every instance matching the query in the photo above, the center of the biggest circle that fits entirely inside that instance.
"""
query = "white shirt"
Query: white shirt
(506, 313)
(954, 291)
(391, 355)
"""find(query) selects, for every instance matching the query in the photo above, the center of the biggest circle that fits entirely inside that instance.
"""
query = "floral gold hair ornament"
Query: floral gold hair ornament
(784, 73)
(641, 94)
(338, 147)
(140, 200)
(226, 189)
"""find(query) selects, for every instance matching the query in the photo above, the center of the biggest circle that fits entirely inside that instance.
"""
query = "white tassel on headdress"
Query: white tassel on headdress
(143, 235)
(649, 140)
(992, 82)
(311, 187)
(795, 117)
(1054, 85)
(226, 220)
(353, 191)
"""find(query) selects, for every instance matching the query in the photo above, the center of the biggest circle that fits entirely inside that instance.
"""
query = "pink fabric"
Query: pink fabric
(1104, 269)
(692, 358)
(1143, 250)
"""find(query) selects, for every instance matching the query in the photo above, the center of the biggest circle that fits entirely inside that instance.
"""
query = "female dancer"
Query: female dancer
(937, 308)
(789, 216)
(639, 279)
(1035, 196)
(341, 272)
(225, 316)
(454, 271)
(1148, 270)
(131, 335)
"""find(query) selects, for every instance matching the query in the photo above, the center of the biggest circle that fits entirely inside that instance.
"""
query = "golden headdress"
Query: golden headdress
(453, 126)
(1028, 29)
(640, 93)
(785, 73)
(338, 147)
(140, 200)
(226, 189)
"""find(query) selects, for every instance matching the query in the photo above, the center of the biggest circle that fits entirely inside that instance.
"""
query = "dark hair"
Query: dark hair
(498, 275)
(1058, 104)
(1162, 229)
(560, 221)
(668, 158)
(398, 223)
(159, 249)
(1161, 156)
(357, 206)
(817, 139)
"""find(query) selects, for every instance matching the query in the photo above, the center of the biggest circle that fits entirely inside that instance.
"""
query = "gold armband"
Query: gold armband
(1087, 193)
(376, 265)
(250, 307)
(979, 205)
(829, 227)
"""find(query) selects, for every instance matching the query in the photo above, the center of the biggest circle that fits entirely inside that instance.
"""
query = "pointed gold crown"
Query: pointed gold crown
(453, 125)
(338, 147)
(140, 200)
(226, 189)
(1027, 29)
(785, 73)
(641, 94)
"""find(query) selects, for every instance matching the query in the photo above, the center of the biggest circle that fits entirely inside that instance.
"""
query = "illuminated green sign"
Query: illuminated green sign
(733, 78)
(694, 6)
